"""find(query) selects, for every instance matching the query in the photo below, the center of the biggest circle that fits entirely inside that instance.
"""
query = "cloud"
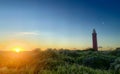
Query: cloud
(27, 33)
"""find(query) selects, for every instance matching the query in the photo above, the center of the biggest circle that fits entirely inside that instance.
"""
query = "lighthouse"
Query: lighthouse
(94, 40)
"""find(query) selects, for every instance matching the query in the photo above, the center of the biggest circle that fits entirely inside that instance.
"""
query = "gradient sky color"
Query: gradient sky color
(59, 23)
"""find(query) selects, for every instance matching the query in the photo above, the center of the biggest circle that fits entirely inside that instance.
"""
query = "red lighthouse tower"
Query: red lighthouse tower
(94, 38)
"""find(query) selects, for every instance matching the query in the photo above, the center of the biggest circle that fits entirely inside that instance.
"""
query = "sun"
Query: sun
(17, 50)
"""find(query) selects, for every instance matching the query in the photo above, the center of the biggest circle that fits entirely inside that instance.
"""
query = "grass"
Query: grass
(53, 61)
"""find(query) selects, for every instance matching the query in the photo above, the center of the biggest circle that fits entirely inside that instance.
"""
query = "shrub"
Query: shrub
(74, 69)
(116, 52)
(116, 65)
(98, 62)
(68, 60)
(89, 49)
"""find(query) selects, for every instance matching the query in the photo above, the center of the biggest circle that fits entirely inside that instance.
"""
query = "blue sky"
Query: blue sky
(60, 23)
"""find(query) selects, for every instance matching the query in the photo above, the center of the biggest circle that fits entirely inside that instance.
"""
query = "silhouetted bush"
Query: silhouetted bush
(89, 49)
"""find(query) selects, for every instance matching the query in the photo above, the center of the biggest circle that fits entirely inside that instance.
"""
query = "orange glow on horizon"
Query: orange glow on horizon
(17, 45)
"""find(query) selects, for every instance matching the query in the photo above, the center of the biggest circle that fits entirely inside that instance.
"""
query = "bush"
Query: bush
(89, 49)
(74, 69)
(52, 61)
(116, 52)
(116, 65)
(68, 60)
(98, 62)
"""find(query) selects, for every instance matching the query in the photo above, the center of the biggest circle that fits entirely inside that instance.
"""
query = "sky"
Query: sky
(59, 23)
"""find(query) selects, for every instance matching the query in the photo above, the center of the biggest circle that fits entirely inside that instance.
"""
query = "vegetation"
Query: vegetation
(62, 61)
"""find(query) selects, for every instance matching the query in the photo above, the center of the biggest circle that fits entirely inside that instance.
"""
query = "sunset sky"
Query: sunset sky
(59, 23)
